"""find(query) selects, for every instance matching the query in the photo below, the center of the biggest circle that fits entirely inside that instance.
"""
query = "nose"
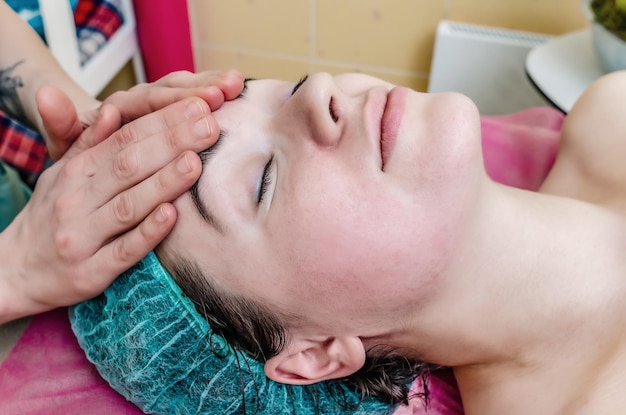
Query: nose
(317, 102)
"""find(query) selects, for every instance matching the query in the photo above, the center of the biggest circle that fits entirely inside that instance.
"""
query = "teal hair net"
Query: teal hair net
(152, 346)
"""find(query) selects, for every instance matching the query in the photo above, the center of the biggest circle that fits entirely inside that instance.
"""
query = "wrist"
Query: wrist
(13, 302)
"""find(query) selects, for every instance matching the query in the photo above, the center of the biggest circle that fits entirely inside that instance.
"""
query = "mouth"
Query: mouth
(390, 122)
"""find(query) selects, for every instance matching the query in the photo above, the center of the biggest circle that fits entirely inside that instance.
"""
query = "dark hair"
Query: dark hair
(261, 333)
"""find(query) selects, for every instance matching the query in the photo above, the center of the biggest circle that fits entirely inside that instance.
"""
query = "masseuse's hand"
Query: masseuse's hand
(96, 212)
(63, 123)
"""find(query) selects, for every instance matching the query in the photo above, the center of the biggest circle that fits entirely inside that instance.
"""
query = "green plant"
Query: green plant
(612, 15)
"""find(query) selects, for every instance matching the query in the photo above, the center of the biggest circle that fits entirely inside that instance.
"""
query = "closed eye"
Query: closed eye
(266, 181)
(266, 178)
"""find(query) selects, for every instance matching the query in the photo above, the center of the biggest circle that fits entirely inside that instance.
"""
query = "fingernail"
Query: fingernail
(193, 109)
(202, 128)
(161, 215)
(100, 110)
(183, 165)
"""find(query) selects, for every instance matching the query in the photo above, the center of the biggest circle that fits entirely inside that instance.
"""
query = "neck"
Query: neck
(536, 277)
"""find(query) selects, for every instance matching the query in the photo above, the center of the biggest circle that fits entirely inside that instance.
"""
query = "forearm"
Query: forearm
(25, 66)
(14, 303)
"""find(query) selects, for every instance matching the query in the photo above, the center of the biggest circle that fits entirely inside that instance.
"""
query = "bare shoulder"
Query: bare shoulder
(603, 101)
(592, 155)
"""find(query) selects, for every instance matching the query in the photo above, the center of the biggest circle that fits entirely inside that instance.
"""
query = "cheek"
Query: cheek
(441, 144)
(361, 242)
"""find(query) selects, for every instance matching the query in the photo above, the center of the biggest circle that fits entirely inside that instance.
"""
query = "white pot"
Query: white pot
(610, 49)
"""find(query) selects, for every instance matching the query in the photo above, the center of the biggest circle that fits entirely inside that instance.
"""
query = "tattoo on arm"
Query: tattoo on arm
(9, 100)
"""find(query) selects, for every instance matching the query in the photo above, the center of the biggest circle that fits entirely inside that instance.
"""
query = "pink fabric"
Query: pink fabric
(520, 149)
(164, 37)
(444, 397)
(47, 373)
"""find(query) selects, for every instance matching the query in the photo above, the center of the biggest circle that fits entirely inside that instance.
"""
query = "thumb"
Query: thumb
(59, 118)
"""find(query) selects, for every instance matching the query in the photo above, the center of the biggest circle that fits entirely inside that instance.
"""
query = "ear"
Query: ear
(309, 361)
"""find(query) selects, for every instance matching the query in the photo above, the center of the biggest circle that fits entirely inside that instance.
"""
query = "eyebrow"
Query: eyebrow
(202, 208)
(205, 156)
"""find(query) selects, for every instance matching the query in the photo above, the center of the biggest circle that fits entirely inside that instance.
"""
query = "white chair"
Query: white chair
(101, 68)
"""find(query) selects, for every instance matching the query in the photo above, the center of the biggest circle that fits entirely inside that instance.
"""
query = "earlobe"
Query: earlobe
(310, 361)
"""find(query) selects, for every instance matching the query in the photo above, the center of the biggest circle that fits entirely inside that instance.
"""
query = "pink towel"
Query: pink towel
(47, 373)
(520, 149)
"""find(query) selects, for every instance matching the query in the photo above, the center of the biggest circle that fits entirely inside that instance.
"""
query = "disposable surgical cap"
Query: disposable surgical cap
(152, 346)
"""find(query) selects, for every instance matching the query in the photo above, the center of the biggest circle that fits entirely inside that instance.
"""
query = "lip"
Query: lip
(390, 122)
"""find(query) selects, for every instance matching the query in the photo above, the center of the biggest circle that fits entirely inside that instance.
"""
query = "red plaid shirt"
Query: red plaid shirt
(24, 148)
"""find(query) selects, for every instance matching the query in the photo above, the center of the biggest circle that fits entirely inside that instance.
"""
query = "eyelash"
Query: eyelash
(266, 180)
(299, 84)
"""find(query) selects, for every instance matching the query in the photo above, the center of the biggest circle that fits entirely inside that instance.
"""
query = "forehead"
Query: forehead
(259, 96)
(246, 118)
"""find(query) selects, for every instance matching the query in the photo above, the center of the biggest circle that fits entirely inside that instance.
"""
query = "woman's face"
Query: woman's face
(345, 198)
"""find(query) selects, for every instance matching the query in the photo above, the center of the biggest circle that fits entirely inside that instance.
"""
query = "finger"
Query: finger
(141, 160)
(107, 122)
(229, 82)
(213, 87)
(129, 167)
(126, 250)
(186, 79)
(60, 120)
(232, 85)
(139, 102)
(130, 207)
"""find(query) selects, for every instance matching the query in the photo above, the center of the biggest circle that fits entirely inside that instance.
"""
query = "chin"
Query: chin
(439, 134)
(453, 108)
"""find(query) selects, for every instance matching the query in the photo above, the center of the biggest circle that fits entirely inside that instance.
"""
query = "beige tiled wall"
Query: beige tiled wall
(391, 39)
